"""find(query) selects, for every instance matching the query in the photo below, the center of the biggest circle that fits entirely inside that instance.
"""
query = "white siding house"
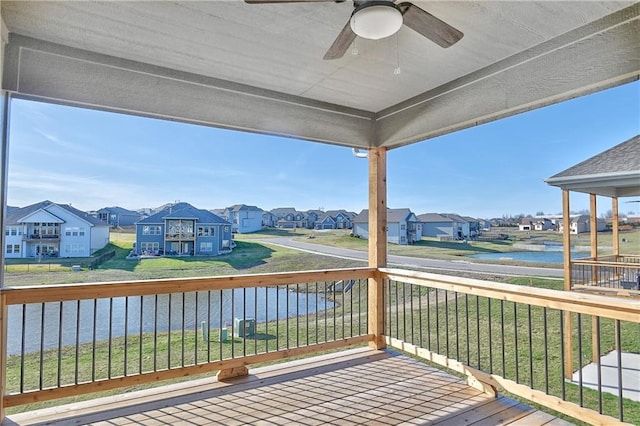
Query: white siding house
(243, 218)
(47, 229)
(581, 224)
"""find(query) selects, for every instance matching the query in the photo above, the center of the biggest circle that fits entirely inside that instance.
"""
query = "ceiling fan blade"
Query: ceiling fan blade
(287, 1)
(341, 43)
(429, 26)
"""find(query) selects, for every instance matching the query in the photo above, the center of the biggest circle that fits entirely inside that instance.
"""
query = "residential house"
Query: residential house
(544, 224)
(461, 226)
(52, 230)
(243, 218)
(403, 226)
(335, 219)
(269, 219)
(582, 223)
(118, 217)
(474, 226)
(182, 229)
(436, 226)
(290, 218)
(526, 224)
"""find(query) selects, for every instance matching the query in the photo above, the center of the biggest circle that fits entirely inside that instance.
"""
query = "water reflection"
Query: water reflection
(50, 325)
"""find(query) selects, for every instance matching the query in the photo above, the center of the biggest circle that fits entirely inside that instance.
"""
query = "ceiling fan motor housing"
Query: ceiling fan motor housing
(376, 19)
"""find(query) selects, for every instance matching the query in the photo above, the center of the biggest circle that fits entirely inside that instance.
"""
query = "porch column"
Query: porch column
(566, 247)
(4, 159)
(593, 224)
(377, 241)
(615, 228)
(593, 231)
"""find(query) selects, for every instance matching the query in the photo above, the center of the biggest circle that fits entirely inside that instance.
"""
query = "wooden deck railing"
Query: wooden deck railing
(612, 274)
(67, 340)
(75, 339)
(515, 338)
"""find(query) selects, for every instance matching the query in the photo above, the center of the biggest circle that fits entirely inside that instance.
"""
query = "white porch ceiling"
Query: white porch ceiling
(259, 68)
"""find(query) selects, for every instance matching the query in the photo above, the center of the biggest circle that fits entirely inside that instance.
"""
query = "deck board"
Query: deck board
(360, 386)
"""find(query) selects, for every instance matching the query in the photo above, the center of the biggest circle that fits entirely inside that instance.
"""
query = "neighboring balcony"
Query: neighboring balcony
(39, 237)
(180, 236)
(607, 274)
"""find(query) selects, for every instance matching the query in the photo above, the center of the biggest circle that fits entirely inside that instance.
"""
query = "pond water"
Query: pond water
(81, 321)
(554, 256)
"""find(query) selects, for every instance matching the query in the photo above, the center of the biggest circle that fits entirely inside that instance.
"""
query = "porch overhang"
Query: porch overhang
(615, 184)
(245, 75)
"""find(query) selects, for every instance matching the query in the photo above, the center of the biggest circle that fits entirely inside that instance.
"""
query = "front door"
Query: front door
(185, 248)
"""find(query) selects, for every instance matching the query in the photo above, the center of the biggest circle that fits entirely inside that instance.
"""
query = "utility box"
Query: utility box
(244, 327)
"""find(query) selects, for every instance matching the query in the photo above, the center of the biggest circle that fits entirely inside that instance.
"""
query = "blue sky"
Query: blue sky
(94, 159)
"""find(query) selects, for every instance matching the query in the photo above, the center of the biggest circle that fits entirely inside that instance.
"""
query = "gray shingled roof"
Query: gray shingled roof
(184, 211)
(393, 215)
(433, 217)
(614, 172)
(14, 214)
(624, 157)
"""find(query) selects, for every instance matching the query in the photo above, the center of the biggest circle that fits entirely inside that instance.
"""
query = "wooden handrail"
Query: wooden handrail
(602, 306)
(66, 292)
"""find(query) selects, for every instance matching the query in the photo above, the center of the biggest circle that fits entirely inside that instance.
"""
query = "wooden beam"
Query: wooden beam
(593, 226)
(593, 233)
(64, 292)
(566, 248)
(4, 321)
(377, 241)
(615, 228)
(566, 239)
(626, 309)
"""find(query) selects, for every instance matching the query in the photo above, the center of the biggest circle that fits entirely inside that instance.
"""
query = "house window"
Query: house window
(81, 232)
(150, 248)
(16, 248)
(151, 230)
(226, 229)
(205, 231)
(9, 248)
(402, 227)
(206, 247)
(74, 248)
(403, 239)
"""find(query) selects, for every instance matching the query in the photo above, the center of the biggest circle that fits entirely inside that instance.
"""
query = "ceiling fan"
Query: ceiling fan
(376, 19)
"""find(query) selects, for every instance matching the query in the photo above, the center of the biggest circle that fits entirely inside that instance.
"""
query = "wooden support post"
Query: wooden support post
(615, 228)
(3, 352)
(593, 226)
(595, 271)
(566, 247)
(377, 242)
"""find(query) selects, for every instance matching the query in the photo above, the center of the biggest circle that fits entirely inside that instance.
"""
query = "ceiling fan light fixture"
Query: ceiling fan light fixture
(376, 19)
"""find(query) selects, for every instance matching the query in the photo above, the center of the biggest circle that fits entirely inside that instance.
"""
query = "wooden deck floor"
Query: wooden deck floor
(356, 387)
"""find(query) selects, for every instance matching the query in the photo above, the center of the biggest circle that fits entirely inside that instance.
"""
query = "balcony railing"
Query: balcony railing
(40, 237)
(180, 236)
(613, 274)
(77, 339)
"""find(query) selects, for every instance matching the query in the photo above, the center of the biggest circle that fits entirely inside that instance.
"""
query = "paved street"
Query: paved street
(406, 261)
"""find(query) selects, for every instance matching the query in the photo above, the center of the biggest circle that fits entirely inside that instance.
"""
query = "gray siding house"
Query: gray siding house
(335, 219)
(403, 226)
(435, 225)
(181, 230)
(117, 216)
